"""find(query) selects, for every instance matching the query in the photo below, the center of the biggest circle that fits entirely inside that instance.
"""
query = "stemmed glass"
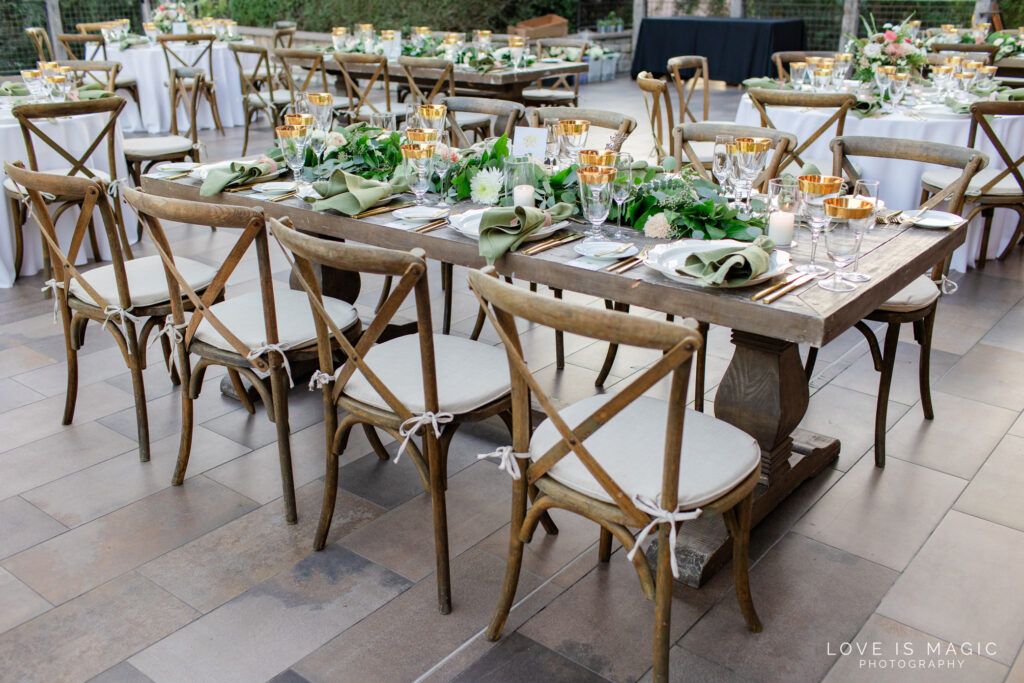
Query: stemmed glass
(721, 160)
(596, 195)
(292, 141)
(432, 115)
(573, 133)
(820, 78)
(321, 106)
(553, 143)
(897, 89)
(385, 120)
(846, 217)
(442, 162)
(34, 82)
(865, 190)
(942, 75)
(516, 47)
(622, 187)
(797, 73)
(882, 80)
(420, 157)
(814, 190)
(750, 157)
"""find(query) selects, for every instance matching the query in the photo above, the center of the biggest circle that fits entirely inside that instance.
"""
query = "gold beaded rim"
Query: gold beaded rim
(848, 207)
(595, 175)
(819, 184)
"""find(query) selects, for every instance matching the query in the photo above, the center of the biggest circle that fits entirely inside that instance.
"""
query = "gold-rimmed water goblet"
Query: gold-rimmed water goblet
(864, 190)
(797, 74)
(516, 49)
(596, 195)
(814, 190)
(573, 133)
(432, 116)
(34, 82)
(898, 83)
(423, 135)
(339, 38)
(751, 155)
(420, 159)
(846, 220)
(292, 141)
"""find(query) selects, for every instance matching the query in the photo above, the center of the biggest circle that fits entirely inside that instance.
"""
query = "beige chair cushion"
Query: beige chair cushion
(147, 283)
(548, 94)
(243, 315)
(468, 119)
(273, 97)
(824, 165)
(124, 80)
(156, 145)
(102, 175)
(470, 374)
(705, 151)
(631, 447)
(918, 294)
(1007, 187)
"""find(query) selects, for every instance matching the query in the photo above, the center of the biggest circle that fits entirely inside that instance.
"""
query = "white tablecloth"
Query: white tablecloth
(900, 185)
(147, 65)
(75, 135)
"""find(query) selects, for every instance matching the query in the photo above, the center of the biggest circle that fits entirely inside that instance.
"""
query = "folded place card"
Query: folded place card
(529, 142)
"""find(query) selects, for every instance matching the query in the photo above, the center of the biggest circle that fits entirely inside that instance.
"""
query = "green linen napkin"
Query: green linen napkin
(498, 234)
(730, 266)
(810, 169)
(235, 173)
(1012, 95)
(765, 83)
(13, 89)
(863, 109)
(85, 93)
(350, 194)
(957, 106)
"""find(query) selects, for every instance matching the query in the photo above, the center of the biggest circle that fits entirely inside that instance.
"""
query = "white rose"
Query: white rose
(873, 50)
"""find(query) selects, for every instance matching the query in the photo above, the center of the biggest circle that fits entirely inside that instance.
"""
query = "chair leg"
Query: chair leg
(738, 522)
(447, 274)
(438, 505)
(187, 416)
(559, 340)
(924, 365)
(71, 351)
(892, 337)
(211, 97)
(248, 122)
(812, 358)
(19, 237)
(331, 482)
(375, 442)
(613, 349)
(478, 326)
(139, 389)
(243, 395)
(604, 550)
(702, 356)
(662, 607)
(979, 263)
(514, 563)
(1018, 235)
(279, 392)
(93, 242)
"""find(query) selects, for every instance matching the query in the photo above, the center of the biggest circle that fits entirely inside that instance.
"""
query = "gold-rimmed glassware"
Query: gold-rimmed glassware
(750, 156)
(846, 221)
(597, 157)
(516, 49)
(48, 68)
(387, 121)
(814, 190)
(842, 67)
(820, 78)
(420, 159)
(797, 73)
(913, 28)
(964, 81)
(622, 188)
(364, 32)
(300, 120)
(339, 38)
(596, 195)
(292, 141)
(898, 88)
(432, 115)
(482, 37)
(955, 61)
(34, 82)
(942, 76)
(573, 133)
(423, 134)
(321, 106)
(882, 79)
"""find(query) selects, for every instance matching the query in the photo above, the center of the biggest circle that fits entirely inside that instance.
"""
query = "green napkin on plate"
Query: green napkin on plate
(729, 266)
(957, 106)
(85, 94)
(350, 194)
(766, 83)
(863, 109)
(498, 234)
(13, 89)
(235, 173)
(1012, 95)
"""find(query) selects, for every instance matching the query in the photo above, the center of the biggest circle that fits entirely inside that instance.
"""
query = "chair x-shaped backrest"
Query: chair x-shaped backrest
(565, 82)
(296, 61)
(73, 41)
(88, 72)
(423, 68)
(980, 118)
(152, 210)
(352, 88)
(410, 269)
(622, 126)
(284, 37)
(174, 58)
(507, 114)
(41, 42)
(504, 303)
(762, 99)
(659, 111)
(707, 131)
(251, 78)
(685, 87)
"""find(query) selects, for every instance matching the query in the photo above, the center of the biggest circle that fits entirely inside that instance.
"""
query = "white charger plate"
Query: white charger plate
(468, 224)
(938, 111)
(665, 258)
(599, 249)
(275, 188)
(420, 213)
(937, 220)
(177, 166)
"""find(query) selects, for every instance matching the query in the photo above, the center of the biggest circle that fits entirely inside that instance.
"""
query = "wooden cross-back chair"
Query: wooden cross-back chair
(41, 42)
(408, 384)
(93, 26)
(259, 96)
(127, 296)
(685, 136)
(422, 70)
(916, 303)
(980, 51)
(620, 125)
(686, 87)
(782, 60)
(990, 189)
(27, 116)
(93, 47)
(142, 153)
(565, 89)
(94, 73)
(173, 58)
(358, 98)
(301, 70)
(620, 460)
(284, 36)
(255, 335)
(658, 106)
(840, 102)
(465, 111)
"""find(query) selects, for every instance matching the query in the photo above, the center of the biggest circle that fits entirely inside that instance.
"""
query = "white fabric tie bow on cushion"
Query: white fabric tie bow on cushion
(661, 516)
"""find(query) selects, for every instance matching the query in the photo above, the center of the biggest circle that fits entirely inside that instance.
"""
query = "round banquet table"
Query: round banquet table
(900, 185)
(75, 135)
(147, 65)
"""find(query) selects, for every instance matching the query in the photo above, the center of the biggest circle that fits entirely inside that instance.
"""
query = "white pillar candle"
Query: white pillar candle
(522, 195)
(780, 228)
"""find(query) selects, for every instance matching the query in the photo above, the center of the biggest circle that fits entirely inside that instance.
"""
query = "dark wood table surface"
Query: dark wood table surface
(764, 390)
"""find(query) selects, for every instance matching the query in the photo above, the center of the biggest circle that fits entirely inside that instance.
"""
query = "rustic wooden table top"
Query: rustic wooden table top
(497, 77)
(892, 255)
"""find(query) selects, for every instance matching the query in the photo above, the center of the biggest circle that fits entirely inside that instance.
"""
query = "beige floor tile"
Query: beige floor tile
(13, 394)
(686, 667)
(403, 540)
(995, 493)
(987, 295)
(862, 377)
(21, 359)
(305, 408)
(276, 623)
(604, 622)
(789, 587)
(389, 644)
(545, 555)
(882, 515)
(20, 603)
(22, 525)
(1018, 426)
(90, 493)
(52, 457)
(94, 553)
(516, 656)
(93, 632)
(121, 673)
(895, 652)
(231, 559)
(93, 366)
(954, 333)
(958, 587)
(1008, 332)
(1016, 674)
(957, 441)
(989, 374)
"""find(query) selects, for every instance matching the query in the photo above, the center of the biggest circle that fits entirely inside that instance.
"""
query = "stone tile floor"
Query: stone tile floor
(108, 573)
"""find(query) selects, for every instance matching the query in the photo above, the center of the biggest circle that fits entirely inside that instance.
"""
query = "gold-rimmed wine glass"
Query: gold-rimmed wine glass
(292, 141)
(321, 106)
(797, 74)
(751, 154)
(597, 157)
(622, 187)
(596, 195)
(814, 190)
(34, 82)
(846, 219)
(573, 133)
(432, 115)
(420, 158)
(422, 134)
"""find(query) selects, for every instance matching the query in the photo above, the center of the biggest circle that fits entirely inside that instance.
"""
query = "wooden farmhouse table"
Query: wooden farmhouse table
(764, 390)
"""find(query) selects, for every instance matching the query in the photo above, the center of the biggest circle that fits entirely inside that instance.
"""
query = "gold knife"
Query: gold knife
(551, 245)
(778, 285)
(799, 282)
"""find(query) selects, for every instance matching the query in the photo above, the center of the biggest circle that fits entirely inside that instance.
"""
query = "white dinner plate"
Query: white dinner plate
(665, 258)
(177, 166)
(938, 111)
(275, 188)
(468, 224)
(551, 60)
(599, 249)
(936, 220)
(421, 213)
